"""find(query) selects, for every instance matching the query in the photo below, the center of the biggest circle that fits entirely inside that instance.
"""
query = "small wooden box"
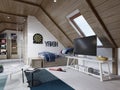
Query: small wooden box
(37, 62)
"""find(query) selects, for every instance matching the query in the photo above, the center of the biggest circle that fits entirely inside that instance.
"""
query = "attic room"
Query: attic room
(59, 44)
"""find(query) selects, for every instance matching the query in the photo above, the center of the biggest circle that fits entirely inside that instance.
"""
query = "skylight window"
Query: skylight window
(85, 27)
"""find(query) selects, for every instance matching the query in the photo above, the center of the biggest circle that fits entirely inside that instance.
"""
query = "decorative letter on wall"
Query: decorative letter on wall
(37, 38)
(51, 43)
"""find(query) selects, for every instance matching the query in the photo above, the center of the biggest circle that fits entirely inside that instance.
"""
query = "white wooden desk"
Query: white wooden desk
(100, 64)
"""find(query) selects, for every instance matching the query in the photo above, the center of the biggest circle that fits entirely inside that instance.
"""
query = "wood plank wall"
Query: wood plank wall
(5, 26)
(98, 27)
(58, 12)
(109, 10)
(47, 22)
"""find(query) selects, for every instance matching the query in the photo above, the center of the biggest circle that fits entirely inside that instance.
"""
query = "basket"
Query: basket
(101, 58)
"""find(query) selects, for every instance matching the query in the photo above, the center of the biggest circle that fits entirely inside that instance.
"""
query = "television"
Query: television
(85, 46)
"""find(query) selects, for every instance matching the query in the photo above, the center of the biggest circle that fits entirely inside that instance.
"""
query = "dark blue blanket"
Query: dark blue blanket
(48, 56)
(53, 85)
(48, 81)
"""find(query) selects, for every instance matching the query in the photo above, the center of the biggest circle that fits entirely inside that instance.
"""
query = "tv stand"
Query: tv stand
(75, 66)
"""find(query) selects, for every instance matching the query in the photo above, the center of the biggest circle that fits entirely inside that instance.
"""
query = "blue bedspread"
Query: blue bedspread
(48, 56)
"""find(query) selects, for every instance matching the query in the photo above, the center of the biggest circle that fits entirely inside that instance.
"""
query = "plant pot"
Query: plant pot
(1, 68)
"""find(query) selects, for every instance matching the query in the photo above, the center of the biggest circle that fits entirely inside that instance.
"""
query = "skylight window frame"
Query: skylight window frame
(73, 22)
(77, 27)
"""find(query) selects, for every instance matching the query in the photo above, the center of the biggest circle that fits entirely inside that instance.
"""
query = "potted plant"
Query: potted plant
(1, 68)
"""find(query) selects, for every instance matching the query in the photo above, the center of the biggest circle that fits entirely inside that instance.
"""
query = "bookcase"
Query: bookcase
(3, 46)
(13, 46)
(8, 46)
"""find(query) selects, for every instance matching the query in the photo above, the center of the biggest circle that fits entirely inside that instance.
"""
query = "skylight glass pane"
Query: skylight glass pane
(85, 27)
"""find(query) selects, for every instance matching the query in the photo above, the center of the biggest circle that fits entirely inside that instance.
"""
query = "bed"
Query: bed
(52, 59)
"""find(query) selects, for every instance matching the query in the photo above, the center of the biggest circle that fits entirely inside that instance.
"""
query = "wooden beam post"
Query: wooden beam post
(115, 61)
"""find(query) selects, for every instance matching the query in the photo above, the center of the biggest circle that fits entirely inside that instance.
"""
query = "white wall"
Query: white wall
(34, 26)
(107, 52)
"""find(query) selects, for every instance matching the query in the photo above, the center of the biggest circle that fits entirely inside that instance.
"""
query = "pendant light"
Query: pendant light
(55, 0)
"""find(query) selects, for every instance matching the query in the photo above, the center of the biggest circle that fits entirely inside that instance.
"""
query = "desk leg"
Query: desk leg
(22, 75)
(84, 66)
(109, 70)
(67, 62)
(100, 68)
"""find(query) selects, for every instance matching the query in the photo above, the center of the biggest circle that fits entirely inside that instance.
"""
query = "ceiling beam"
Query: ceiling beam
(115, 59)
(26, 2)
(20, 15)
(11, 22)
(9, 29)
(102, 23)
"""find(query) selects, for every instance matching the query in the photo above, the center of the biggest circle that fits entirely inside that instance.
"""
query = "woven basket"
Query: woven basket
(101, 58)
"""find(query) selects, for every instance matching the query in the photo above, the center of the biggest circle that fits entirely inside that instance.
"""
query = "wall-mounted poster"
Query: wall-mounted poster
(37, 38)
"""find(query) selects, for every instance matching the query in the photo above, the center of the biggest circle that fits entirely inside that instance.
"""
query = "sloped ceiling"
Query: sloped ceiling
(102, 15)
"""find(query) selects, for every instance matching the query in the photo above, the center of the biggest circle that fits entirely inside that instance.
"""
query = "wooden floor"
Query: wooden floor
(81, 81)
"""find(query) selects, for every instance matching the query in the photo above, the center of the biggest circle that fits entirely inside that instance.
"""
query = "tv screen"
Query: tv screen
(85, 46)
